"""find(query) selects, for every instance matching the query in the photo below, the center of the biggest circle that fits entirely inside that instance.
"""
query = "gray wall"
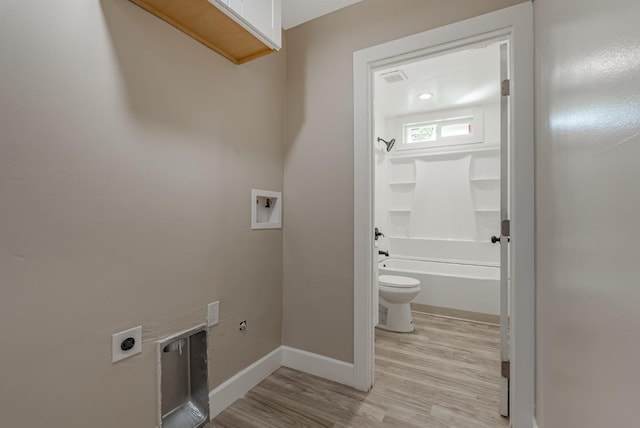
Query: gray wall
(127, 156)
(588, 205)
(318, 168)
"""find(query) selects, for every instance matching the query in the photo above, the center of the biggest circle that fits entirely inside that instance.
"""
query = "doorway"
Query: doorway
(441, 192)
(513, 26)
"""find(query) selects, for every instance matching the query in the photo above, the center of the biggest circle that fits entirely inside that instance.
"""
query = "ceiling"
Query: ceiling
(296, 12)
(457, 79)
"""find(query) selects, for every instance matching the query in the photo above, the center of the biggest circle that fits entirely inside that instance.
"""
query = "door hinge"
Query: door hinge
(506, 87)
(506, 228)
(505, 369)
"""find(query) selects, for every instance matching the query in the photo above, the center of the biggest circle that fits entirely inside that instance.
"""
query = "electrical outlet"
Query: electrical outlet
(126, 344)
(213, 313)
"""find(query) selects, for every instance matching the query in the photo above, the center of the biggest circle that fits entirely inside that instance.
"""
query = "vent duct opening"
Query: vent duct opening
(394, 76)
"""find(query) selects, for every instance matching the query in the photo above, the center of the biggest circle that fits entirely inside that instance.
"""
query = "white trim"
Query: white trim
(515, 24)
(535, 423)
(241, 383)
(318, 365)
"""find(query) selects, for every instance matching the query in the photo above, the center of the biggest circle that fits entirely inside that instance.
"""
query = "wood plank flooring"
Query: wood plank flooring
(443, 375)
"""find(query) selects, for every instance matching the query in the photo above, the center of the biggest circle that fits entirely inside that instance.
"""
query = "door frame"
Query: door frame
(516, 24)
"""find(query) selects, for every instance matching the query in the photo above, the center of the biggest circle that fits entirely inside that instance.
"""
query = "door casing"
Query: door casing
(514, 24)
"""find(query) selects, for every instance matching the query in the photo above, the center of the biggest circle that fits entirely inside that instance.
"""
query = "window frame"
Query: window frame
(474, 115)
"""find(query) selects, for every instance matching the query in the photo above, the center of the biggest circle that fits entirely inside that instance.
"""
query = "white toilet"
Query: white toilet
(395, 294)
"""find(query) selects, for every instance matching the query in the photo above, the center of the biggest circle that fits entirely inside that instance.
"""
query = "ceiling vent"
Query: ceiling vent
(394, 76)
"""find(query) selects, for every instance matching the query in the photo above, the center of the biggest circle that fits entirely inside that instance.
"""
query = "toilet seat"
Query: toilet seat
(397, 281)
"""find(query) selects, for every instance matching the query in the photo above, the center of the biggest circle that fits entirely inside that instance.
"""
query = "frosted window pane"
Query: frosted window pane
(456, 129)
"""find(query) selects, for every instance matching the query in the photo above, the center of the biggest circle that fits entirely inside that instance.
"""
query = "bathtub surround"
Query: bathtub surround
(126, 164)
(441, 203)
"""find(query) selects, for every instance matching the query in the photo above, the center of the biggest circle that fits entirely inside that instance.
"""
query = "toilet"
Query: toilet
(395, 294)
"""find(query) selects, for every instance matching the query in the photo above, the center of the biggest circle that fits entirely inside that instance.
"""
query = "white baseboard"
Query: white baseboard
(318, 365)
(241, 383)
(238, 385)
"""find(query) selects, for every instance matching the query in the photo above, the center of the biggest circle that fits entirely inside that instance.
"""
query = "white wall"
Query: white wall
(588, 205)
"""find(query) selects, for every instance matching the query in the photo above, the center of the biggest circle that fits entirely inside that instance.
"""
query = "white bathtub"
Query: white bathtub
(462, 287)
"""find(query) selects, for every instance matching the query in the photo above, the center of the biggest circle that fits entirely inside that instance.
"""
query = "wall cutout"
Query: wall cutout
(183, 379)
(266, 209)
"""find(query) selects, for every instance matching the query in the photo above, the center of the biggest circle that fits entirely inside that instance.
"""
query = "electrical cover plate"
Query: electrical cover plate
(117, 353)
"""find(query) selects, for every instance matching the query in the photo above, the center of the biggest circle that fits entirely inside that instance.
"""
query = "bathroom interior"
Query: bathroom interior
(437, 197)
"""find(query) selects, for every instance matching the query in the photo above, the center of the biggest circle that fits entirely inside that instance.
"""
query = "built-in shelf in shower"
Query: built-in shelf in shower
(397, 158)
(403, 183)
(487, 210)
(400, 210)
(484, 179)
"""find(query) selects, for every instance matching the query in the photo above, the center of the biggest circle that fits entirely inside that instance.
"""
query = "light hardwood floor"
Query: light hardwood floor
(445, 374)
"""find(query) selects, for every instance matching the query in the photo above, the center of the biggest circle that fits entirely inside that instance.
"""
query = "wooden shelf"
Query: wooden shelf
(210, 26)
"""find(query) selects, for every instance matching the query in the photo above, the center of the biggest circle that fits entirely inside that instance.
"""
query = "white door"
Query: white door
(504, 231)
(375, 300)
(375, 303)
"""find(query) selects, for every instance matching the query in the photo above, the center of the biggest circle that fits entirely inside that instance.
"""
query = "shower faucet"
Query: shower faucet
(377, 234)
(384, 253)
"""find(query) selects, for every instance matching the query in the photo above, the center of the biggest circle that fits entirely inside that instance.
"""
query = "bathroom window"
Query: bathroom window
(457, 129)
(447, 128)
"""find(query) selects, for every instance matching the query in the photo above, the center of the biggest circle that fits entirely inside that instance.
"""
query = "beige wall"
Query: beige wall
(588, 204)
(127, 156)
(318, 169)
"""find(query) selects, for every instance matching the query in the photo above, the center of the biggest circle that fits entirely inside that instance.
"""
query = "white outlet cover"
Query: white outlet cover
(213, 313)
(117, 353)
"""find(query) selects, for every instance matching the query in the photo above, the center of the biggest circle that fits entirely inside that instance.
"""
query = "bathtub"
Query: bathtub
(461, 287)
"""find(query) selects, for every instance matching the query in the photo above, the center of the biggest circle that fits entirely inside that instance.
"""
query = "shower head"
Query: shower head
(389, 144)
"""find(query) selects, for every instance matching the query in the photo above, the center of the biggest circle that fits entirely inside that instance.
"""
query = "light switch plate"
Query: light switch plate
(213, 313)
(117, 353)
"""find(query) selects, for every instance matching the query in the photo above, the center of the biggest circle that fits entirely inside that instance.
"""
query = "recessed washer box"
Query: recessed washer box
(183, 379)
(266, 209)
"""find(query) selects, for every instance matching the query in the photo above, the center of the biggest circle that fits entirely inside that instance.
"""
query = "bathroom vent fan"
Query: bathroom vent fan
(394, 76)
